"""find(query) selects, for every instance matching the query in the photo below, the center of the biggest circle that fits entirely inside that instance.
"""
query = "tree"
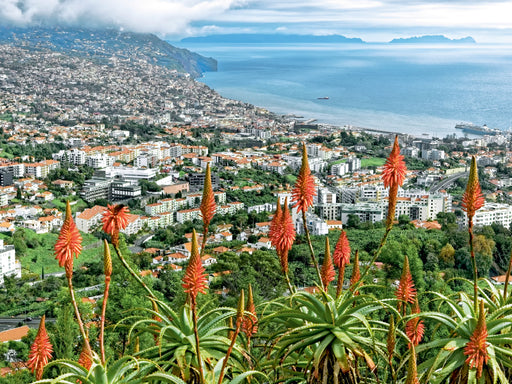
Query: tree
(353, 221)
(447, 256)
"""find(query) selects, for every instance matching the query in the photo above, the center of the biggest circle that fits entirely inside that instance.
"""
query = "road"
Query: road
(10, 323)
(443, 184)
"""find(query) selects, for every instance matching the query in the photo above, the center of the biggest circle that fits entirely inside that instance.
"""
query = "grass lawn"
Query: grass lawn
(6, 155)
(291, 179)
(43, 255)
(372, 161)
(76, 206)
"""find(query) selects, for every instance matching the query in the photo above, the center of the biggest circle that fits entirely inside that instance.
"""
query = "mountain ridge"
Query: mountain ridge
(102, 44)
(430, 39)
(254, 38)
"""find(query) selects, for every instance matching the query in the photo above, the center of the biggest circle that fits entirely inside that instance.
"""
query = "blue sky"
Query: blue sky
(372, 20)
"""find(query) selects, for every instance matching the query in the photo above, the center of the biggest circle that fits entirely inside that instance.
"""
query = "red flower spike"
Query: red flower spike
(208, 205)
(341, 254)
(394, 168)
(472, 200)
(327, 273)
(85, 360)
(250, 323)
(40, 352)
(415, 329)
(476, 347)
(356, 274)
(194, 281)
(405, 292)
(304, 189)
(115, 219)
(393, 176)
(275, 225)
(69, 242)
(286, 231)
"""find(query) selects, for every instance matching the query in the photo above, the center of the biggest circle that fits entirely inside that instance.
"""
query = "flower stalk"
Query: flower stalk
(107, 266)
(393, 176)
(472, 201)
(302, 195)
(238, 327)
(69, 244)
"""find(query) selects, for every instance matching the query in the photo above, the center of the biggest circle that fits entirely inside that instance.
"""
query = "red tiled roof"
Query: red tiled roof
(14, 334)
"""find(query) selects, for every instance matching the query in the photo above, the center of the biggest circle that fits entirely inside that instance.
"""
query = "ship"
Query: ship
(323, 98)
(477, 129)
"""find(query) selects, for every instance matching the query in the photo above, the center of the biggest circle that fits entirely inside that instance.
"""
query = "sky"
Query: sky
(372, 20)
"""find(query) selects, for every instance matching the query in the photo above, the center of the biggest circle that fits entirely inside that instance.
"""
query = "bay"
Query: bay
(409, 88)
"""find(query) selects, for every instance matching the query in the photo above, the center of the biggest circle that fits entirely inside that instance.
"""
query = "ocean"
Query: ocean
(409, 88)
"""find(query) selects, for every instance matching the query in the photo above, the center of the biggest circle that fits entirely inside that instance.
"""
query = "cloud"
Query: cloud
(189, 17)
(159, 16)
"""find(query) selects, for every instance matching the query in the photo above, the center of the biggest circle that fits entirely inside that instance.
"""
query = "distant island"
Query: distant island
(100, 45)
(433, 39)
(258, 38)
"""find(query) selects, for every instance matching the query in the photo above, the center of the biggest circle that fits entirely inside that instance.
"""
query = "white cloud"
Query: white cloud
(160, 16)
(187, 17)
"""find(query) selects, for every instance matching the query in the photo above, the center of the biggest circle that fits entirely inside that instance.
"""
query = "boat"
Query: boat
(477, 129)
(323, 98)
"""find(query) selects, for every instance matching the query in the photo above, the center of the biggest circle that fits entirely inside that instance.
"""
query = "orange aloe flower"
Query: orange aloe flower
(327, 273)
(208, 205)
(275, 225)
(405, 292)
(356, 274)
(476, 347)
(286, 236)
(114, 219)
(69, 242)
(415, 329)
(194, 281)
(393, 176)
(41, 351)
(341, 255)
(472, 200)
(250, 322)
(85, 360)
(304, 189)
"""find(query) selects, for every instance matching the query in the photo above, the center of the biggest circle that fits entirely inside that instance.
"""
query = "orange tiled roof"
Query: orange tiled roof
(14, 334)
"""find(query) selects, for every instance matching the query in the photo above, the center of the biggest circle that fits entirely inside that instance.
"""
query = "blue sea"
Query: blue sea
(421, 90)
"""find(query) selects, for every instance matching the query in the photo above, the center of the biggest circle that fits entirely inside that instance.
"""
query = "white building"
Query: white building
(493, 213)
(8, 264)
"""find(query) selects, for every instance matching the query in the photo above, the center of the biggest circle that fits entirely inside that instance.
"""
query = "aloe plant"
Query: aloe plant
(452, 363)
(126, 370)
(328, 338)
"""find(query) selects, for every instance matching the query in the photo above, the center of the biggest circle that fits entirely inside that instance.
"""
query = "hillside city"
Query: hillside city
(131, 132)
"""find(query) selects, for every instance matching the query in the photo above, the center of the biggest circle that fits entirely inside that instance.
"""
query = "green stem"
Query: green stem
(473, 262)
(311, 251)
(290, 287)
(230, 349)
(133, 273)
(377, 253)
(341, 275)
(203, 246)
(102, 325)
(507, 277)
(77, 314)
(196, 334)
